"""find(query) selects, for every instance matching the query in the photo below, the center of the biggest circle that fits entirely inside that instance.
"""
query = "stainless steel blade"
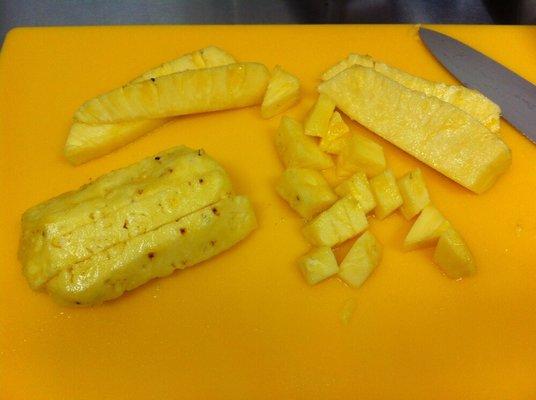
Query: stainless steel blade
(515, 95)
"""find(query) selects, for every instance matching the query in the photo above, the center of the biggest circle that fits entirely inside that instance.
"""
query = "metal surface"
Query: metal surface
(515, 95)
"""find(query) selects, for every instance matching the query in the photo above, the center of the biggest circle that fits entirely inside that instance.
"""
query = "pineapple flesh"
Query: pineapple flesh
(453, 256)
(364, 256)
(342, 221)
(282, 93)
(317, 121)
(436, 132)
(360, 154)
(426, 229)
(298, 150)
(358, 186)
(306, 191)
(414, 193)
(386, 193)
(334, 139)
(318, 265)
(351, 60)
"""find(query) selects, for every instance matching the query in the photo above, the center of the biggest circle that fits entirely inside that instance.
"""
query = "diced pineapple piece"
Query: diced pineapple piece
(352, 59)
(414, 193)
(317, 121)
(363, 257)
(342, 221)
(333, 141)
(188, 92)
(453, 255)
(213, 56)
(426, 229)
(358, 186)
(306, 191)
(282, 93)
(318, 264)
(360, 154)
(437, 133)
(298, 150)
(386, 193)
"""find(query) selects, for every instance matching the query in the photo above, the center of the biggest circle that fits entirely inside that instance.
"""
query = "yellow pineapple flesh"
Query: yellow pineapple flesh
(317, 121)
(453, 256)
(358, 186)
(426, 229)
(282, 93)
(386, 193)
(414, 193)
(364, 256)
(436, 132)
(334, 139)
(318, 265)
(351, 60)
(360, 154)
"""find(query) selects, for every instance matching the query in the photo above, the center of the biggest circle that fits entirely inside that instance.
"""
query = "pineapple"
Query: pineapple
(188, 92)
(342, 221)
(282, 93)
(386, 193)
(363, 257)
(360, 154)
(298, 150)
(358, 186)
(468, 100)
(318, 264)
(437, 133)
(414, 193)
(334, 139)
(453, 256)
(306, 191)
(317, 121)
(426, 229)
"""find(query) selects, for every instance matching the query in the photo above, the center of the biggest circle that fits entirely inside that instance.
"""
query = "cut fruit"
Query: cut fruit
(282, 93)
(426, 229)
(363, 257)
(317, 121)
(386, 193)
(298, 150)
(437, 133)
(414, 192)
(360, 154)
(342, 221)
(351, 60)
(333, 141)
(306, 191)
(358, 186)
(188, 92)
(318, 264)
(453, 256)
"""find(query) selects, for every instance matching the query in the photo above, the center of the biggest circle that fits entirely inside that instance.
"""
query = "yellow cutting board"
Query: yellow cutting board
(245, 325)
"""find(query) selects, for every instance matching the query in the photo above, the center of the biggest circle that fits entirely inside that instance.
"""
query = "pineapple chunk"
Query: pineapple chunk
(386, 193)
(358, 186)
(318, 264)
(426, 229)
(352, 59)
(188, 92)
(360, 154)
(157, 253)
(333, 141)
(363, 257)
(414, 192)
(317, 121)
(437, 133)
(342, 221)
(298, 150)
(306, 191)
(453, 256)
(282, 93)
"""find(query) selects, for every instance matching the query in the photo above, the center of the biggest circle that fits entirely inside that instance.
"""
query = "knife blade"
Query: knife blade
(515, 95)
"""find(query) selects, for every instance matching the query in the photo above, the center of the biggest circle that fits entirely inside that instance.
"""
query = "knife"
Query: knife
(515, 95)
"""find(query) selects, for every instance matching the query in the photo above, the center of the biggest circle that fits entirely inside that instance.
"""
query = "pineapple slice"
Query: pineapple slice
(363, 257)
(282, 93)
(437, 133)
(360, 154)
(306, 191)
(358, 186)
(414, 193)
(342, 221)
(333, 141)
(318, 264)
(188, 92)
(426, 229)
(297, 150)
(352, 59)
(386, 193)
(317, 121)
(453, 256)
